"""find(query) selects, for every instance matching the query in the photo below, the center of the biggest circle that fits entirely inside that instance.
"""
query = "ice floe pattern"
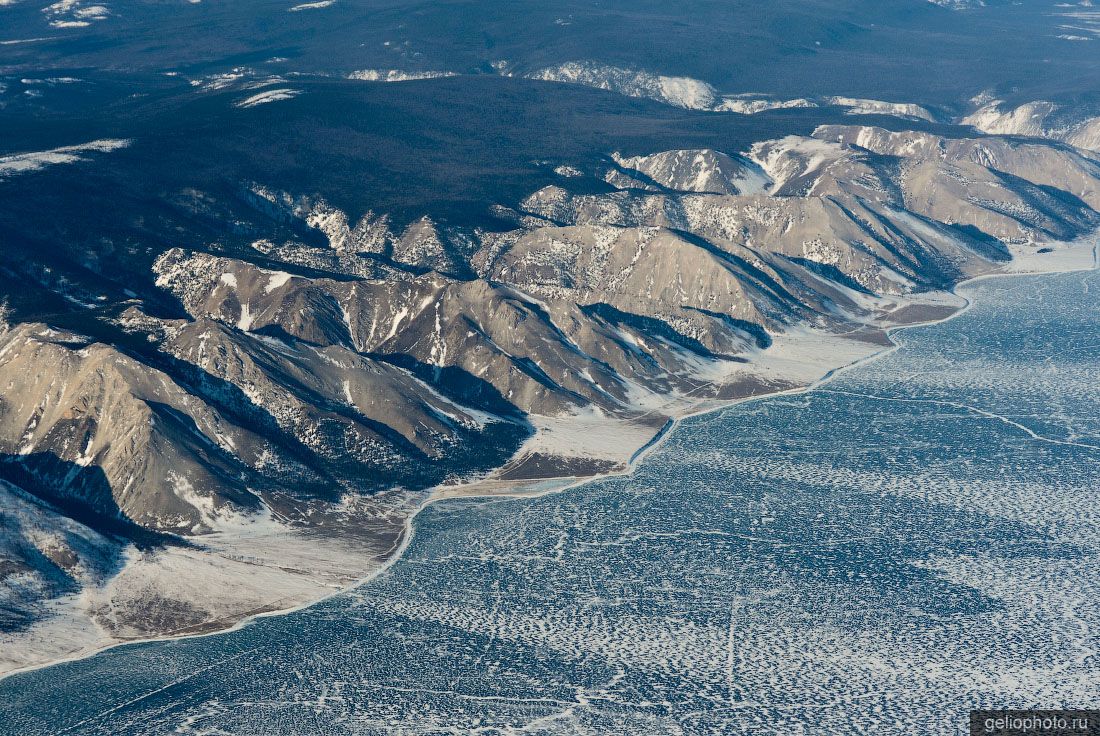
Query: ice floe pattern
(915, 538)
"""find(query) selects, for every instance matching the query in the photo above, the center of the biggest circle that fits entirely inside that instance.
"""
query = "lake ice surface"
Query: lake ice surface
(915, 538)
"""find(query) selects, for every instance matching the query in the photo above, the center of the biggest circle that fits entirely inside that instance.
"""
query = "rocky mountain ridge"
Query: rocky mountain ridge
(419, 340)
(1074, 123)
(342, 359)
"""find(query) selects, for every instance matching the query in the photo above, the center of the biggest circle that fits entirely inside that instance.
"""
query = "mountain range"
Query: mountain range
(261, 303)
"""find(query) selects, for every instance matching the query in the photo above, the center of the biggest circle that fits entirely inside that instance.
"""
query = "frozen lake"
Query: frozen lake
(915, 538)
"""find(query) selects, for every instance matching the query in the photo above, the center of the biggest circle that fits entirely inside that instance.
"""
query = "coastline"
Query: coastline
(1019, 266)
(1067, 257)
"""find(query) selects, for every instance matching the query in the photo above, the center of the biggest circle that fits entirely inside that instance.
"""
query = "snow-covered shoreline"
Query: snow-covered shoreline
(815, 358)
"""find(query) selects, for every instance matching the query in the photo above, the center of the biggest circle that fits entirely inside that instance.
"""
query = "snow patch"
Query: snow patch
(275, 280)
(23, 163)
(312, 6)
(570, 172)
(695, 94)
(683, 92)
(270, 95)
(396, 75)
(748, 104)
(1040, 119)
(245, 321)
(74, 14)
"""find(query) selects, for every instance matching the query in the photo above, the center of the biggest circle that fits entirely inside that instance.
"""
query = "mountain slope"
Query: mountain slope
(247, 341)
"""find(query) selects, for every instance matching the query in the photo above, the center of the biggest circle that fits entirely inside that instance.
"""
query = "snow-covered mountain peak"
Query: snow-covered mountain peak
(701, 171)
